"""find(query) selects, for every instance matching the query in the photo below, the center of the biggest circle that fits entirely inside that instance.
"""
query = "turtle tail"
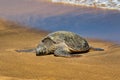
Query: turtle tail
(26, 50)
(96, 49)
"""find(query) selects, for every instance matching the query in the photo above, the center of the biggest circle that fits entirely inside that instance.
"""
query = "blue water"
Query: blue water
(88, 22)
(104, 26)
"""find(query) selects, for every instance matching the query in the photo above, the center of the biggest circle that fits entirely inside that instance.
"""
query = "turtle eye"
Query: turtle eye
(43, 40)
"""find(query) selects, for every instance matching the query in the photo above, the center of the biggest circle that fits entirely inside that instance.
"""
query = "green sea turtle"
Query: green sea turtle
(62, 44)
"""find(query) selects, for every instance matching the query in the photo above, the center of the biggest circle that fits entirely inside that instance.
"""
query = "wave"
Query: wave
(107, 4)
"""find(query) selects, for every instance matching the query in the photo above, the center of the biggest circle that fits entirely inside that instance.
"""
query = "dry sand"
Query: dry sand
(94, 65)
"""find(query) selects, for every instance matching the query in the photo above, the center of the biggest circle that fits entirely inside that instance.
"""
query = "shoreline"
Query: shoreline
(39, 12)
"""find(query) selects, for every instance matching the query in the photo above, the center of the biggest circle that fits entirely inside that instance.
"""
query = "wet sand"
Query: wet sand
(94, 65)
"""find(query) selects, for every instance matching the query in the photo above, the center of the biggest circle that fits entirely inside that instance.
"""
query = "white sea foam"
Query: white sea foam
(108, 4)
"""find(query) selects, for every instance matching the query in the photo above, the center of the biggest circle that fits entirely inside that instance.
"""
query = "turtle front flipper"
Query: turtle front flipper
(61, 52)
(25, 50)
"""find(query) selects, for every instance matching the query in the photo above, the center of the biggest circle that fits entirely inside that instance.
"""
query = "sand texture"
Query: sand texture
(94, 65)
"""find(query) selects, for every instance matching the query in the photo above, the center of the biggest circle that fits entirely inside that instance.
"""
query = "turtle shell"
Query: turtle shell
(73, 41)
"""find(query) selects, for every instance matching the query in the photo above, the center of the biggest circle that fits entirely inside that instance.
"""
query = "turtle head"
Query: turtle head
(40, 50)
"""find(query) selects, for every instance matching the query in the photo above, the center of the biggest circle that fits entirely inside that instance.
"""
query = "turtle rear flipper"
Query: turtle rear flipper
(25, 50)
(60, 52)
(96, 49)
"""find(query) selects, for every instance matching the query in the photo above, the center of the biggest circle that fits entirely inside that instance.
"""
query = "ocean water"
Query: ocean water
(107, 4)
(104, 26)
(87, 22)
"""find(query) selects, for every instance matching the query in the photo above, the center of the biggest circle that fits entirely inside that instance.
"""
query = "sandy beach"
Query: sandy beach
(94, 65)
